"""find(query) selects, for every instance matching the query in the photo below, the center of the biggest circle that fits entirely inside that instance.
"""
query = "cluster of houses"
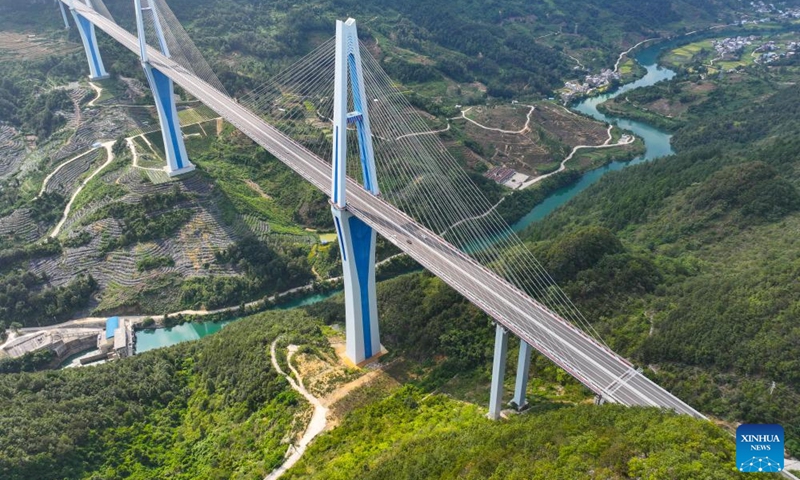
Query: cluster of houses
(507, 176)
(590, 83)
(770, 9)
(771, 51)
(732, 44)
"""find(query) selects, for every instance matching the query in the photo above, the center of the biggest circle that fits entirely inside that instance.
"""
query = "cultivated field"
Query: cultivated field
(531, 146)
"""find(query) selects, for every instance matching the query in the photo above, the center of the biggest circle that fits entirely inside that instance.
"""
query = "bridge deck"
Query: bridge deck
(593, 364)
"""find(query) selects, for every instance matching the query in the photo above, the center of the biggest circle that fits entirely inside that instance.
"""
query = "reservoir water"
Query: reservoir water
(657, 145)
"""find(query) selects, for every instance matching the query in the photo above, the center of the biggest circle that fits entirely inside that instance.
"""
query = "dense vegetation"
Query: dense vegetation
(24, 105)
(210, 409)
(26, 299)
(150, 262)
(265, 270)
(512, 46)
(417, 436)
(713, 308)
(155, 216)
(253, 181)
(11, 257)
(29, 362)
(215, 409)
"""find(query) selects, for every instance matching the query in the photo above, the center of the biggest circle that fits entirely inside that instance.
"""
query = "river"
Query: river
(164, 337)
(657, 144)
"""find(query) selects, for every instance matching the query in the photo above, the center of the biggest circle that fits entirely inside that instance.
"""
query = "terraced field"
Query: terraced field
(12, 150)
(19, 225)
(15, 45)
(192, 248)
(69, 157)
(67, 179)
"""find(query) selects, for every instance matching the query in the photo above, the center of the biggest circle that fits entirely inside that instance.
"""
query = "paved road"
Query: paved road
(600, 369)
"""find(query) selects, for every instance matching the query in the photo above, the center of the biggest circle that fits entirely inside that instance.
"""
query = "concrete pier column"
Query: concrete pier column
(523, 369)
(357, 244)
(164, 95)
(498, 372)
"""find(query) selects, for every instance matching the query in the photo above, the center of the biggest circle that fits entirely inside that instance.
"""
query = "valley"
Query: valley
(701, 241)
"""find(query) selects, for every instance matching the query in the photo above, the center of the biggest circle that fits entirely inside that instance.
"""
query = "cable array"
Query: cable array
(416, 173)
(181, 48)
(100, 7)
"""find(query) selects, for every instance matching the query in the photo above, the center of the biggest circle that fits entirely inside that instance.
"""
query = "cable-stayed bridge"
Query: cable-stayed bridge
(423, 192)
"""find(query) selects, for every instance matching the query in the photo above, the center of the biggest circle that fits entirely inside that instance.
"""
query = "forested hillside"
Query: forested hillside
(689, 266)
(504, 44)
(210, 409)
(412, 435)
(713, 306)
(513, 47)
(216, 408)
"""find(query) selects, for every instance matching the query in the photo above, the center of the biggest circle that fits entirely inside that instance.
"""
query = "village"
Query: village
(772, 51)
(591, 83)
(770, 9)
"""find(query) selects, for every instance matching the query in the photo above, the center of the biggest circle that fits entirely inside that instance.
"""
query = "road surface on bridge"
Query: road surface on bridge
(600, 369)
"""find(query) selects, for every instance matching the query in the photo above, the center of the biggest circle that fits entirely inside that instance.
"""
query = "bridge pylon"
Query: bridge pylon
(63, 14)
(163, 92)
(86, 28)
(356, 238)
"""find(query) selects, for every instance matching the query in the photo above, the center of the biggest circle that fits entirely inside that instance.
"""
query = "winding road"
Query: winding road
(107, 146)
(524, 129)
(319, 419)
(563, 166)
(58, 168)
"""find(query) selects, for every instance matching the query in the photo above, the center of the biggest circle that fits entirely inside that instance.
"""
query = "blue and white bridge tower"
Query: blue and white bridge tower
(86, 29)
(63, 14)
(163, 92)
(356, 239)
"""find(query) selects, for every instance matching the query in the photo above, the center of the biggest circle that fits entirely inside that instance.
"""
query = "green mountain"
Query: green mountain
(216, 408)
(687, 265)
(709, 293)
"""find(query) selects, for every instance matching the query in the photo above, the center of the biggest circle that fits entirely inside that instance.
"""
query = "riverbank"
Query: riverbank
(187, 325)
(657, 142)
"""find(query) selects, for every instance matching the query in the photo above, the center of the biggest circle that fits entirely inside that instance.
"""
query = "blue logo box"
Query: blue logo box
(759, 448)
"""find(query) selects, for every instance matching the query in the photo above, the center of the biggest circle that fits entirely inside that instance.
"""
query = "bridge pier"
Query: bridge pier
(523, 369)
(357, 243)
(86, 29)
(164, 95)
(498, 372)
(356, 239)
